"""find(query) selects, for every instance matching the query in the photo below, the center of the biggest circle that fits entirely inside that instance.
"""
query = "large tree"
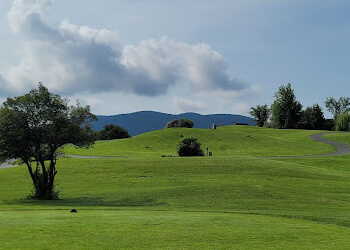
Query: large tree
(34, 127)
(112, 131)
(260, 113)
(342, 122)
(337, 107)
(312, 117)
(286, 110)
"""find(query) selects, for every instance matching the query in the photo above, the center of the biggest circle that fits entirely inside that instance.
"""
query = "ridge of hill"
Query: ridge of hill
(145, 121)
(225, 141)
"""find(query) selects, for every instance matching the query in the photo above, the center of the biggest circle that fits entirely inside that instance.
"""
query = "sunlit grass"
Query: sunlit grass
(224, 141)
(220, 202)
(190, 202)
(98, 229)
(339, 137)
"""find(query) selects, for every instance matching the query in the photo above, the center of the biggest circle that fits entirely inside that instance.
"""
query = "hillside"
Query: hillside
(145, 121)
(233, 200)
(224, 141)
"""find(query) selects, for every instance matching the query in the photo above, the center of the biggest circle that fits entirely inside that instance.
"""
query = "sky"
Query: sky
(204, 56)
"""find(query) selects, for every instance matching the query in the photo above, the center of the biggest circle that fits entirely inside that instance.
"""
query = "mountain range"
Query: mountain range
(145, 121)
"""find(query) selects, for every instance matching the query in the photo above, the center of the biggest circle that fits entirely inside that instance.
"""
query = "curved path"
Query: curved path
(8, 164)
(341, 149)
(94, 157)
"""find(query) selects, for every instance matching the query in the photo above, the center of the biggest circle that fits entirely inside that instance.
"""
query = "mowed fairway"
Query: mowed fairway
(339, 137)
(233, 200)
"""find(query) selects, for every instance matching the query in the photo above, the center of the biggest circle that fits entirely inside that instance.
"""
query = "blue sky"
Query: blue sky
(203, 56)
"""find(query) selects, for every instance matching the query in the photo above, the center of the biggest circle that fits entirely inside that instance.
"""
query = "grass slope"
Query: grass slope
(339, 137)
(224, 141)
(149, 202)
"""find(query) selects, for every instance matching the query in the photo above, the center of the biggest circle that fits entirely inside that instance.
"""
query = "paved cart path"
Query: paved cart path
(7, 164)
(341, 149)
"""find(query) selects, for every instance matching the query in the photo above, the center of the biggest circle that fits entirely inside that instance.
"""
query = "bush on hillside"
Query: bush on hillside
(183, 123)
(190, 147)
(112, 131)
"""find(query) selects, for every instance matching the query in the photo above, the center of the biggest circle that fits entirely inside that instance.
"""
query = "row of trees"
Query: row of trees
(287, 113)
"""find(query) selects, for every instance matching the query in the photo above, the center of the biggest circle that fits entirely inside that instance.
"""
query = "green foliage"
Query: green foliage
(183, 123)
(337, 107)
(34, 127)
(112, 131)
(342, 122)
(286, 110)
(190, 147)
(187, 123)
(261, 114)
(312, 117)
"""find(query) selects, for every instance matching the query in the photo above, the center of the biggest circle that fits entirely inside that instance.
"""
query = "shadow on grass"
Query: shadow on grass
(88, 202)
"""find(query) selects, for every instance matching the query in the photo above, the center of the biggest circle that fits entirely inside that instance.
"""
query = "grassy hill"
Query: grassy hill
(224, 141)
(230, 201)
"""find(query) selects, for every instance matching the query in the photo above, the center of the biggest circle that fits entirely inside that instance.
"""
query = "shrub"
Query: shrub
(112, 131)
(183, 123)
(186, 123)
(190, 147)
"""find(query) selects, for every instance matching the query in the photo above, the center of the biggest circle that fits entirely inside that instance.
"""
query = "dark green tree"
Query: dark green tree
(260, 113)
(187, 123)
(285, 110)
(337, 107)
(190, 147)
(183, 123)
(112, 131)
(35, 126)
(312, 117)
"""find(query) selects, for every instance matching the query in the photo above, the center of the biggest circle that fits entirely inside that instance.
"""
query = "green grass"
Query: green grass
(224, 141)
(221, 202)
(164, 230)
(339, 137)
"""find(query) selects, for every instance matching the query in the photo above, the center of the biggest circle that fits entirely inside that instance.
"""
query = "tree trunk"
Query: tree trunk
(43, 181)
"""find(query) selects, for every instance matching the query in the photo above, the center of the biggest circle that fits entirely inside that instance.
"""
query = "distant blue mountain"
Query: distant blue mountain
(145, 121)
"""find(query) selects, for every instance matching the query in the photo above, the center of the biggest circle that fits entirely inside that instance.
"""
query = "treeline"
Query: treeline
(287, 113)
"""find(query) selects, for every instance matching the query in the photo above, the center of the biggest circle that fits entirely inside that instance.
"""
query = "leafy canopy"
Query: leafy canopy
(112, 131)
(312, 117)
(286, 110)
(337, 107)
(33, 128)
(342, 122)
(260, 113)
(190, 147)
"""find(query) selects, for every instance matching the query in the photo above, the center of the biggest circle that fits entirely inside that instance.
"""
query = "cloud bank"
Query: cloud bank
(70, 59)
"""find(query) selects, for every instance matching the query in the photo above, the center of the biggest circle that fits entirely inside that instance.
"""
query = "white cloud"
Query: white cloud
(183, 105)
(70, 59)
(168, 62)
